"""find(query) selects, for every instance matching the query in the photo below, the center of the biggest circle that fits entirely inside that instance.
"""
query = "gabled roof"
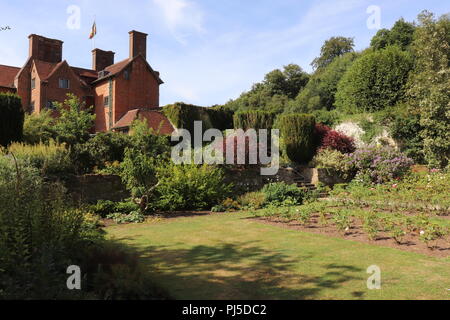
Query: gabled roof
(155, 120)
(7, 76)
(44, 69)
(122, 65)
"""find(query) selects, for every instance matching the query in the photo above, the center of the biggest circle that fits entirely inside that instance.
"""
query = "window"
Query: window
(64, 83)
(32, 107)
(126, 75)
(33, 83)
(106, 101)
(51, 105)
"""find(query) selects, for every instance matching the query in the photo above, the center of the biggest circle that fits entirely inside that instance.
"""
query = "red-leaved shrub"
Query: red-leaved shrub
(330, 139)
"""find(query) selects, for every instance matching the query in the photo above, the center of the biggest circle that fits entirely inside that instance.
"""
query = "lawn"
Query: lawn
(231, 256)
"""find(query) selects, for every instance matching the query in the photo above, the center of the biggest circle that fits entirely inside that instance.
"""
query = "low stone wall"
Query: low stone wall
(91, 188)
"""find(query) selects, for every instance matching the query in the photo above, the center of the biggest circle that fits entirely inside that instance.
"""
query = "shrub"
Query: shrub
(49, 159)
(338, 141)
(122, 218)
(283, 193)
(38, 127)
(252, 200)
(380, 164)
(98, 151)
(297, 131)
(335, 162)
(39, 235)
(254, 120)
(190, 187)
(375, 81)
(11, 121)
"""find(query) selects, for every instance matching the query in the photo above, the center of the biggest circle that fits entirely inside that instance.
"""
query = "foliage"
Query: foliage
(100, 150)
(319, 93)
(333, 48)
(11, 121)
(326, 138)
(401, 35)
(297, 136)
(335, 162)
(252, 200)
(38, 127)
(430, 85)
(39, 235)
(253, 120)
(283, 194)
(49, 159)
(74, 122)
(190, 187)
(132, 217)
(375, 81)
(274, 93)
(184, 115)
(380, 164)
(105, 207)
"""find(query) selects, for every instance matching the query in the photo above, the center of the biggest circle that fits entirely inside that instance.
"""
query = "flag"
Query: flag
(93, 31)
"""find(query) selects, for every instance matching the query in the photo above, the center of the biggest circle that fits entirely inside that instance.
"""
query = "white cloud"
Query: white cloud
(182, 17)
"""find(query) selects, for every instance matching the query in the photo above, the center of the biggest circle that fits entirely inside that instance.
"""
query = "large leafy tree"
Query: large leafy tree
(401, 34)
(333, 48)
(319, 93)
(375, 81)
(430, 86)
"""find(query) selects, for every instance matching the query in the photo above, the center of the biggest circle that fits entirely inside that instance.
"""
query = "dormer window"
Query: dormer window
(64, 83)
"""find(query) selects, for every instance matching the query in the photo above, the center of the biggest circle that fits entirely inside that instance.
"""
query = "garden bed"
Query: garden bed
(410, 242)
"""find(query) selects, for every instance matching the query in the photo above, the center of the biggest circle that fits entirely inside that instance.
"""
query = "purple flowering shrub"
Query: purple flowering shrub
(379, 164)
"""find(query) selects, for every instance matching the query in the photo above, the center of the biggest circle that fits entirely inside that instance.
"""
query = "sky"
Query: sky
(208, 51)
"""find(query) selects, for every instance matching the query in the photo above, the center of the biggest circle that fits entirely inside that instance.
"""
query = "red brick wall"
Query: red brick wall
(52, 91)
(7, 90)
(102, 117)
(141, 90)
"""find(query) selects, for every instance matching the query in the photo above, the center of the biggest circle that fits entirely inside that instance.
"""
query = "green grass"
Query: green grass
(229, 256)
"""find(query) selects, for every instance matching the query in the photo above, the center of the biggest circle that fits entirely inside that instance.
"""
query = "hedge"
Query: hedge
(183, 116)
(11, 120)
(254, 120)
(297, 136)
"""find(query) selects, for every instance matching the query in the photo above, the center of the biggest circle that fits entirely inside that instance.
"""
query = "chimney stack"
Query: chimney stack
(45, 49)
(102, 59)
(138, 44)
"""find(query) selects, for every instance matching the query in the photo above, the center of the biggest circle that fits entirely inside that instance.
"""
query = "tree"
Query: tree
(375, 81)
(333, 48)
(430, 86)
(74, 122)
(319, 93)
(401, 34)
(11, 120)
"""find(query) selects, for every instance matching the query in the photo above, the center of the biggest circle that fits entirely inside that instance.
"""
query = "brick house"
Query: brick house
(119, 92)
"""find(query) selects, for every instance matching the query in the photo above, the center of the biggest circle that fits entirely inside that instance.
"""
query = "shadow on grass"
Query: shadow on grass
(241, 271)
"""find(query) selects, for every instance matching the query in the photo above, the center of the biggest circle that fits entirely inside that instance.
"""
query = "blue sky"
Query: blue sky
(208, 51)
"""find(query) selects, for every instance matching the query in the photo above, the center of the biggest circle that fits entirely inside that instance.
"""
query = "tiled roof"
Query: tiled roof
(120, 66)
(155, 120)
(44, 69)
(7, 75)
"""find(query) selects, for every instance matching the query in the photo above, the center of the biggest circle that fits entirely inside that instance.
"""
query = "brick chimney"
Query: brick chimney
(45, 49)
(138, 44)
(102, 59)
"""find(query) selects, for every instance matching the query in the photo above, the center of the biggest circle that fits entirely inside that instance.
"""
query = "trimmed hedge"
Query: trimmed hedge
(11, 120)
(297, 134)
(183, 116)
(254, 120)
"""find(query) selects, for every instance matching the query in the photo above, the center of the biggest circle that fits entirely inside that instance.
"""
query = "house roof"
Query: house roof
(155, 120)
(7, 76)
(120, 66)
